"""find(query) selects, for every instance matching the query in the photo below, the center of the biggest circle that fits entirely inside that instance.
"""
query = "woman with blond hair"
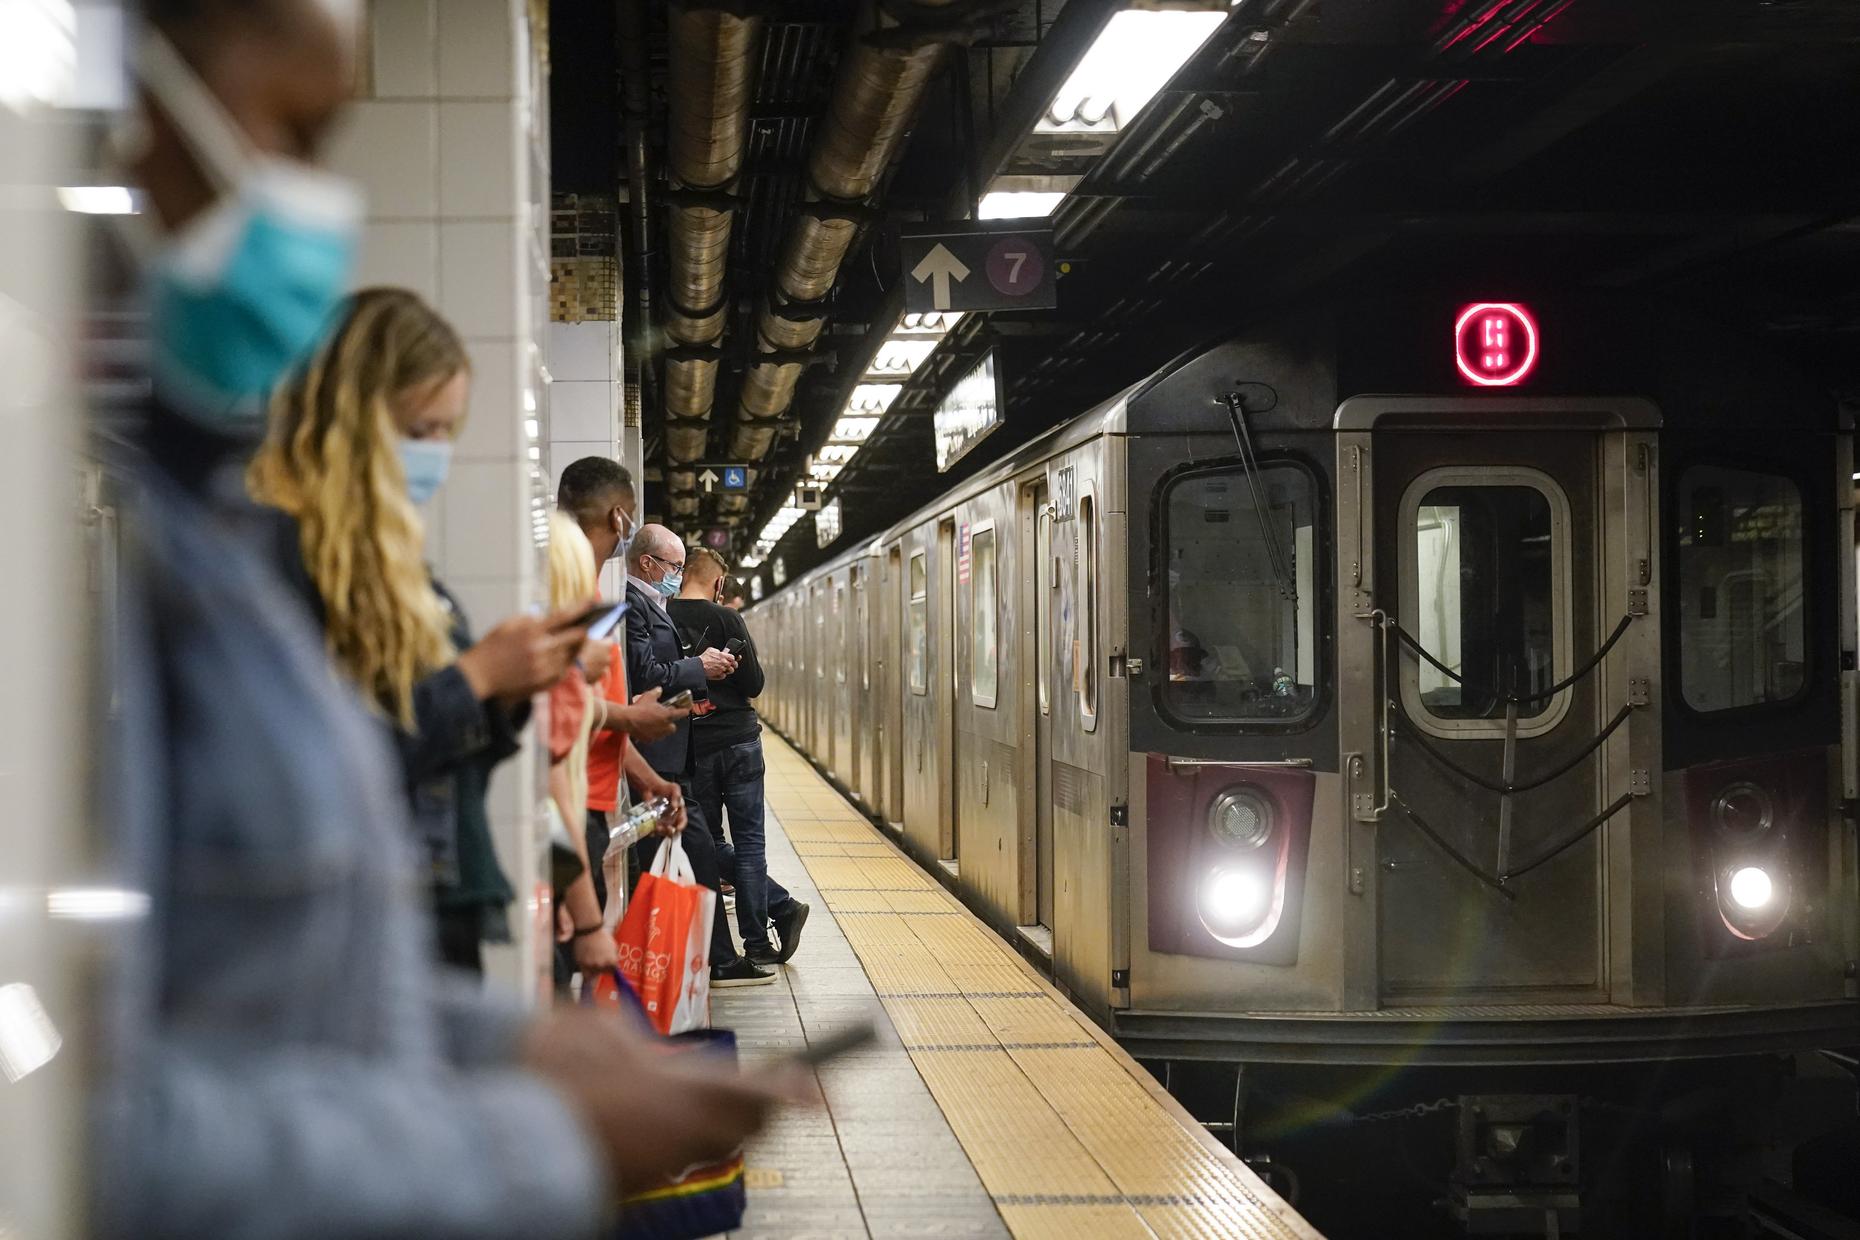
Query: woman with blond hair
(358, 441)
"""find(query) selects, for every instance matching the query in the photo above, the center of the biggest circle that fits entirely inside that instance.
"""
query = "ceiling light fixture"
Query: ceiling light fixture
(1133, 58)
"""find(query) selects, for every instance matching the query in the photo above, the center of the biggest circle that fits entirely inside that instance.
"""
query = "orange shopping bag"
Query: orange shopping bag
(664, 943)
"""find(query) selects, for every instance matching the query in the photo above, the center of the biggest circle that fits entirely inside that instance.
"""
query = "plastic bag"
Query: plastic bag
(664, 943)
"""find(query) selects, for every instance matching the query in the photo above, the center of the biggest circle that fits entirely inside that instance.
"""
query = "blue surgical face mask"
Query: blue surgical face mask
(669, 584)
(248, 289)
(425, 462)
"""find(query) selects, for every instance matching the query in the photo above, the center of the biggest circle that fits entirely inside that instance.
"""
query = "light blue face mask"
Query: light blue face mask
(246, 291)
(425, 462)
(669, 585)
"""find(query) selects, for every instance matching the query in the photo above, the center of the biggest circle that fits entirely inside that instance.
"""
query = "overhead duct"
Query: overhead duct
(875, 99)
(709, 89)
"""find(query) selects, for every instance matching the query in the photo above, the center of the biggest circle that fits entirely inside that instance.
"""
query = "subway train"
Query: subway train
(1434, 681)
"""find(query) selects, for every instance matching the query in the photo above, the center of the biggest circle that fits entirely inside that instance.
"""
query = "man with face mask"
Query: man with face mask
(275, 1056)
(656, 659)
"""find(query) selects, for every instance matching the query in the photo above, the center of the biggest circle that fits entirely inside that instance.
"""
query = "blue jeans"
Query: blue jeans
(731, 778)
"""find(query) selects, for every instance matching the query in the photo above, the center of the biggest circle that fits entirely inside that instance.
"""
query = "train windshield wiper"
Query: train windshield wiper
(1276, 555)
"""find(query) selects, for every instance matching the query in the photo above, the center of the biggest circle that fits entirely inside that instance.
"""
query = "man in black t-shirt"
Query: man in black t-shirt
(726, 758)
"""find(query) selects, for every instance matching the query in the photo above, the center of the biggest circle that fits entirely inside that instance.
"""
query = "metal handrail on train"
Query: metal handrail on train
(1508, 787)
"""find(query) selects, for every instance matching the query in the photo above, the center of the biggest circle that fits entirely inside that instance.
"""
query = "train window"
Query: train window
(984, 663)
(920, 625)
(839, 627)
(1743, 630)
(1485, 593)
(1242, 595)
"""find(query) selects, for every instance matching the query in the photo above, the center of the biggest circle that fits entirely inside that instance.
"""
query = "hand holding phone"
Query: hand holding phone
(680, 700)
(735, 647)
(833, 1045)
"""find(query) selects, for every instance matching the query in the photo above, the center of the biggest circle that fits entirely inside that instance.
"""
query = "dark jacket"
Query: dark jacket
(446, 760)
(655, 659)
(703, 625)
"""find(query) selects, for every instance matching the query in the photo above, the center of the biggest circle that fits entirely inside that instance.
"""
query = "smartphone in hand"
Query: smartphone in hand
(735, 647)
(680, 700)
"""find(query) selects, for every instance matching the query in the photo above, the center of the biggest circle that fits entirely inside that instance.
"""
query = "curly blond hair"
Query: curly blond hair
(332, 461)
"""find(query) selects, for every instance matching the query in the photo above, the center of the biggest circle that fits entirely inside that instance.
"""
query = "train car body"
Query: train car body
(1417, 680)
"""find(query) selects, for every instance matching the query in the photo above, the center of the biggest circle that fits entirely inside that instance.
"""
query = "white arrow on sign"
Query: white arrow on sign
(939, 267)
(709, 479)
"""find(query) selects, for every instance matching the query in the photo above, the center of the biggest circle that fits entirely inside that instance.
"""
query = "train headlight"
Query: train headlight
(1233, 901)
(1743, 808)
(1751, 888)
(1241, 817)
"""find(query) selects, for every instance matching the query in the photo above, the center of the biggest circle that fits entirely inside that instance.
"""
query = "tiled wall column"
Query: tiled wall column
(451, 143)
(584, 405)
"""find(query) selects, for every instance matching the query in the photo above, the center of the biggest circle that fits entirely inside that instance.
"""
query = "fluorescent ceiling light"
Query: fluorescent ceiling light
(840, 453)
(97, 199)
(901, 356)
(929, 324)
(1135, 55)
(853, 429)
(873, 398)
(826, 471)
(1018, 204)
(38, 52)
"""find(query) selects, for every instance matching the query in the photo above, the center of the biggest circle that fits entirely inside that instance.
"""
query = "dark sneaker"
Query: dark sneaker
(740, 972)
(787, 924)
(767, 957)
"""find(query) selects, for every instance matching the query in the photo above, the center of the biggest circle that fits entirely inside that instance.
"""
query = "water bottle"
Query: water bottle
(640, 822)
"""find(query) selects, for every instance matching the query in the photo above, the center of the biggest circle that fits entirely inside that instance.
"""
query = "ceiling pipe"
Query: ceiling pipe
(636, 99)
(880, 85)
(713, 50)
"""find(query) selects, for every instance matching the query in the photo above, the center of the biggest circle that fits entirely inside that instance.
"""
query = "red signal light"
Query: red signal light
(1495, 343)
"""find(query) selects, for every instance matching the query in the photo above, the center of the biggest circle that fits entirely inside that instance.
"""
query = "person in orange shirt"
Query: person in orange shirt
(597, 494)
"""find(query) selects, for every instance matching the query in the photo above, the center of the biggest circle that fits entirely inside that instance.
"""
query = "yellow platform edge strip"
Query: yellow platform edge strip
(1059, 1154)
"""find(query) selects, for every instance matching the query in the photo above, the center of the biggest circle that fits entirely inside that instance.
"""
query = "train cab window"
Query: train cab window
(984, 661)
(920, 626)
(1743, 630)
(1485, 593)
(1085, 648)
(839, 630)
(1242, 596)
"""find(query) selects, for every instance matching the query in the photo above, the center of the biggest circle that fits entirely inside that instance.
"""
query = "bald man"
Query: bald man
(655, 569)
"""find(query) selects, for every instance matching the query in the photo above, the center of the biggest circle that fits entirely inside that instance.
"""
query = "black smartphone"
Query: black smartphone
(595, 612)
(679, 700)
(735, 647)
(833, 1045)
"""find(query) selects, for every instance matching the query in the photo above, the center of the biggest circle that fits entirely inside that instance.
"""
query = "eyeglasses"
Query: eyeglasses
(677, 564)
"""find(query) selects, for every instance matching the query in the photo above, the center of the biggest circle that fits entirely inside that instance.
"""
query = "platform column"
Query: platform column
(450, 138)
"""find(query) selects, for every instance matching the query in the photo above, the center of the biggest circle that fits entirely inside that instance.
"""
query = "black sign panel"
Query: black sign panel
(979, 265)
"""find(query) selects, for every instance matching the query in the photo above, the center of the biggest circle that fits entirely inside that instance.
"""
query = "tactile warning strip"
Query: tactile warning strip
(1069, 1136)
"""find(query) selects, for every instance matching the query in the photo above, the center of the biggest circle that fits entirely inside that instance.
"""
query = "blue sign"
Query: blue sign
(735, 478)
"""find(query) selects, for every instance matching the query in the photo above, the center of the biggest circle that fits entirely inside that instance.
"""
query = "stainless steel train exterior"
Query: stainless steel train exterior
(1326, 698)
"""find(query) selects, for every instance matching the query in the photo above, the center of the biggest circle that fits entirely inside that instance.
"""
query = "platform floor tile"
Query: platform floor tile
(988, 1106)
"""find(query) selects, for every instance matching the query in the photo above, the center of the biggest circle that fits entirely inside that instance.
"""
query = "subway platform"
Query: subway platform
(988, 1106)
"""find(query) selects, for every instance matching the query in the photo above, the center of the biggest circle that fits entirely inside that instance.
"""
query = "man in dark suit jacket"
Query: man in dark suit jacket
(655, 658)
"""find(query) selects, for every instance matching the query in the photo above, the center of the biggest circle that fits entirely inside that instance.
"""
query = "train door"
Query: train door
(818, 659)
(1037, 655)
(945, 688)
(893, 605)
(1491, 553)
(859, 725)
(840, 724)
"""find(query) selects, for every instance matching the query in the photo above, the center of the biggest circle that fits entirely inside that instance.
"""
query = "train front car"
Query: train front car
(1485, 712)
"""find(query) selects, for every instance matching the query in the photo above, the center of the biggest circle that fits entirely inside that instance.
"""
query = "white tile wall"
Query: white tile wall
(479, 277)
(404, 253)
(404, 38)
(445, 148)
(582, 351)
(583, 410)
(492, 430)
(478, 155)
(477, 49)
(392, 147)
